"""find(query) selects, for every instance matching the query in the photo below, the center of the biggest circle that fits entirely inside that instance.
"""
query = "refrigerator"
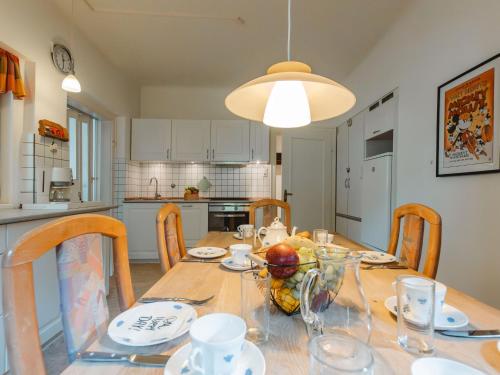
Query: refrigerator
(376, 201)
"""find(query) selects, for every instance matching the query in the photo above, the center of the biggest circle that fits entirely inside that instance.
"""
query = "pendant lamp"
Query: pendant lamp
(290, 95)
(70, 82)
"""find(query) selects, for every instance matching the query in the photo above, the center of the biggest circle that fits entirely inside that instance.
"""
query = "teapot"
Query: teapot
(274, 233)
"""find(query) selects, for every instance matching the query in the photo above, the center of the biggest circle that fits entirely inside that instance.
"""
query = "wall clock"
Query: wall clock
(61, 56)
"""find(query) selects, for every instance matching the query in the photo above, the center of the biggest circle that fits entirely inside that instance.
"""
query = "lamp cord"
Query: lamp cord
(289, 26)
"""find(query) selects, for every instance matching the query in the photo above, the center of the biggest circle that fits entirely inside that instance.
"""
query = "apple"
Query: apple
(283, 261)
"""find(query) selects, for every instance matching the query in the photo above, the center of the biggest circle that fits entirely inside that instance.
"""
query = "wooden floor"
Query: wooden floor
(144, 275)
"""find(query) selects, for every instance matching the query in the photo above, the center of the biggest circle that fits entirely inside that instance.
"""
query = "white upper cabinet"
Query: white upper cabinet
(356, 144)
(259, 142)
(381, 116)
(230, 140)
(151, 139)
(342, 169)
(191, 140)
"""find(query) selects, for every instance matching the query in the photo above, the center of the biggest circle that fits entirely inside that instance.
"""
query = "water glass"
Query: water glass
(339, 354)
(416, 304)
(320, 237)
(255, 299)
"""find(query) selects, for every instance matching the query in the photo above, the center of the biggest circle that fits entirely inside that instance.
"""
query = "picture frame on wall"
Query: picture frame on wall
(468, 138)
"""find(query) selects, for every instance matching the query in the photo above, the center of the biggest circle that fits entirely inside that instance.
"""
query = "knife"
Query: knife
(473, 333)
(135, 359)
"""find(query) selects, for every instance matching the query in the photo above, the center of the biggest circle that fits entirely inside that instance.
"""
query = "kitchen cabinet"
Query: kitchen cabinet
(229, 140)
(349, 228)
(191, 140)
(194, 222)
(381, 116)
(259, 142)
(140, 219)
(151, 139)
(377, 202)
(350, 166)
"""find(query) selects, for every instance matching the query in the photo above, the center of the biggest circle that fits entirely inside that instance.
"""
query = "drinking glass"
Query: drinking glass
(320, 236)
(416, 304)
(255, 298)
(248, 235)
(339, 354)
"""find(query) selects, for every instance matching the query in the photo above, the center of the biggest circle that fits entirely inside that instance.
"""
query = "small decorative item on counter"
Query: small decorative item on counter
(51, 129)
(204, 184)
(191, 193)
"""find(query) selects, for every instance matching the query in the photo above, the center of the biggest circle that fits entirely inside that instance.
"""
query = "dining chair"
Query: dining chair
(270, 211)
(169, 236)
(21, 324)
(415, 215)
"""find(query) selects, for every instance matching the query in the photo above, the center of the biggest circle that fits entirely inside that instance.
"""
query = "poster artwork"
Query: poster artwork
(469, 121)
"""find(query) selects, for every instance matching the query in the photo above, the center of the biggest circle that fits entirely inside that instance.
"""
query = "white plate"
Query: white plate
(450, 318)
(151, 323)
(442, 366)
(251, 362)
(237, 236)
(207, 252)
(376, 257)
(229, 263)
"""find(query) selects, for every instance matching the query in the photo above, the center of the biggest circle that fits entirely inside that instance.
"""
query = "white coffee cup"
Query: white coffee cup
(248, 228)
(413, 296)
(239, 253)
(217, 343)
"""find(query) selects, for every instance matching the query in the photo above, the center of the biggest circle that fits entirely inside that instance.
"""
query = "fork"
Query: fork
(175, 299)
(386, 267)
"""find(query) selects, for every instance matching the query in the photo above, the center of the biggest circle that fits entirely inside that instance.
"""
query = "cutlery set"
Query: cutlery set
(384, 267)
(175, 299)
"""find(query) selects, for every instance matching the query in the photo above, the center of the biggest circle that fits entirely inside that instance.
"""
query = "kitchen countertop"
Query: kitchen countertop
(17, 215)
(182, 200)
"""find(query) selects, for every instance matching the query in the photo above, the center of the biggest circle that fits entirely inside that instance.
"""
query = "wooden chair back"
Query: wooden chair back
(169, 236)
(270, 211)
(413, 233)
(21, 324)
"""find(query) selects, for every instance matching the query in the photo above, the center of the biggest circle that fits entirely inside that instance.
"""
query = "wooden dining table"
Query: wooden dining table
(286, 351)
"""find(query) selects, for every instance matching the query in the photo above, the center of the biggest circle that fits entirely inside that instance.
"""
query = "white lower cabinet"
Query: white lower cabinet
(348, 228)
(140, 219)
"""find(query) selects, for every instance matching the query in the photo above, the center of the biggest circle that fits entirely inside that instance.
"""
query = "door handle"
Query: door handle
(286, 194)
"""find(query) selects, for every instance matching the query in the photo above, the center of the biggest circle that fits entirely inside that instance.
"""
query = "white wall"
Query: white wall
(29, 27)
(185, 102)
(432, 42)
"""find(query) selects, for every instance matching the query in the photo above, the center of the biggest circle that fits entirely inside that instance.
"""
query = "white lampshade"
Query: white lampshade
(71, 84)
(277, 98)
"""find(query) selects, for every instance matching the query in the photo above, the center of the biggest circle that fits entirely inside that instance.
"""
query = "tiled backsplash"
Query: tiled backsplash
(36, 154)
(131, 179)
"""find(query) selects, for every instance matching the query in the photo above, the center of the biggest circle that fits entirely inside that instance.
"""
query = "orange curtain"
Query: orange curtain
(10, 75)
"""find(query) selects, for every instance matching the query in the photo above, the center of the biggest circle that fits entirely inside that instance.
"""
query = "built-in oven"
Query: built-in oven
(227, 216)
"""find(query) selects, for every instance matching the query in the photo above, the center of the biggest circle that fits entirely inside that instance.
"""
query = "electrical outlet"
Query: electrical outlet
(53, 148)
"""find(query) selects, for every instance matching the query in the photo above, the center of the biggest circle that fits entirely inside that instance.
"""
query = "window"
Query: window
(84, 140)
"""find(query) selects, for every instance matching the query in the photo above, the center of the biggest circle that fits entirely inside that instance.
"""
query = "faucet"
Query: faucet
(157, 196)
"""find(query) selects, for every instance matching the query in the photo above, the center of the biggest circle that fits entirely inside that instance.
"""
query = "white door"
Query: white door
(307, 174)
(377, 202)
(230, 140)
(190, 140)
(259, 142)
(356, 156)
(150, 139)
(342, 168)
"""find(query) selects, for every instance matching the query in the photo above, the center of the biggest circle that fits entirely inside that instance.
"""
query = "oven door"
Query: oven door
(226, 221)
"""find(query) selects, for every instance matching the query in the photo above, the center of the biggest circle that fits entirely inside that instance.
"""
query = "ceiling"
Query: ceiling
(202, 42)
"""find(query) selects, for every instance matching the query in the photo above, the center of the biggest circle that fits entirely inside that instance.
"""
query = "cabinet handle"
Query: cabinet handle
(186, 205)
(376, 131)
(349, 182)
(213, 154)
(168, 154)
(345, 183)
(252, 153)
(207, 153)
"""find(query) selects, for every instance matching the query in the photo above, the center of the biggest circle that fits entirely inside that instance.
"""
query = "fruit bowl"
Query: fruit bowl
(286, 278)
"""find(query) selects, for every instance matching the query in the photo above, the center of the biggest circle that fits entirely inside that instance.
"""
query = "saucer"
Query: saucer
(376, 257)
(442, 366)
(251, 362)
(237, 236)
(207, 252)
(152, 323)
(229, 263)
(450, 317)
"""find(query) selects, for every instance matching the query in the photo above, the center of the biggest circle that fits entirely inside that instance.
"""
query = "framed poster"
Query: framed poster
(468, 138)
